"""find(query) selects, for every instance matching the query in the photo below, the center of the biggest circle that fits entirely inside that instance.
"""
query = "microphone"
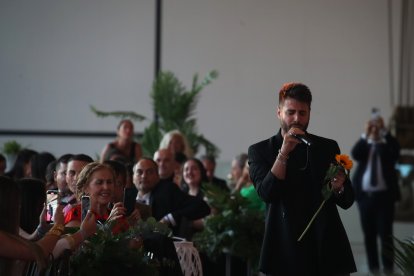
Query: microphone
(302, 138)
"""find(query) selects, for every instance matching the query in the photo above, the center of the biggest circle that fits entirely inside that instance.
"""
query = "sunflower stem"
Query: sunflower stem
(313, 218)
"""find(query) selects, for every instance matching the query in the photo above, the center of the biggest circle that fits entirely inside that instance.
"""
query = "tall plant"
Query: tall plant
(175, 106)
(404, 255)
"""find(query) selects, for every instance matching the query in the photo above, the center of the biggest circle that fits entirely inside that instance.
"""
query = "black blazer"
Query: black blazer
(220, 183)
(168, 198)
(333, 252)
(389, 152)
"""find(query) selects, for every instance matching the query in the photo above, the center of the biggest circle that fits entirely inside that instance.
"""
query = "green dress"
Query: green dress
(256, 203)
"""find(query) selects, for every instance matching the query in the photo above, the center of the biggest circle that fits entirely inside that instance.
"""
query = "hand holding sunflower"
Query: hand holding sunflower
(334, 180)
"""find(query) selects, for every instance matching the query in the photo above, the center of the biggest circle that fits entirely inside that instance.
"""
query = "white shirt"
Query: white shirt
(366, 178)
(145, 198)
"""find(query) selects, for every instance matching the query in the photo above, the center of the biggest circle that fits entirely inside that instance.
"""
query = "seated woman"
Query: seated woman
(237, 165)
(97, 181)
(247, 190)
(194, 175)
(13, 247)
(177, 143)
(124, 147)
(22, 165)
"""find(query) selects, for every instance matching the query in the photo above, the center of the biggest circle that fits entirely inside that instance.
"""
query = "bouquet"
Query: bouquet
(342, 163)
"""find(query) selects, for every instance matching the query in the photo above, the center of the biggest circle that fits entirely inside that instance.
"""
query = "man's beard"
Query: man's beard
(285, 127)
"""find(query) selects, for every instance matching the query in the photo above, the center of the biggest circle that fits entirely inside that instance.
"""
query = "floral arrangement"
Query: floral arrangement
(344, 163)
(107, 253)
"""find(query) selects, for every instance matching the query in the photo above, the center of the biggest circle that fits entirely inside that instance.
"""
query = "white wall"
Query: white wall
(58, 57)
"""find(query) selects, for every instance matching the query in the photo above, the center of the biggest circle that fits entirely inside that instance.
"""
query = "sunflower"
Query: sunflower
(344, 161)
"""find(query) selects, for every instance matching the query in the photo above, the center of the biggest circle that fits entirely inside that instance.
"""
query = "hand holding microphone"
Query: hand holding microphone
(302, 138)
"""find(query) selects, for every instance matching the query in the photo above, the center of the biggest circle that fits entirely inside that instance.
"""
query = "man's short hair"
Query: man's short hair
(145, 158)
(210, 158)
(63, 160)
(81, 157)
(297, 91)
(118, 167)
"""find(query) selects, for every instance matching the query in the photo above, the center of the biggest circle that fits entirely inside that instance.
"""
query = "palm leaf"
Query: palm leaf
(118, 114)
(404, 255)
(175, 108)
(151, 139)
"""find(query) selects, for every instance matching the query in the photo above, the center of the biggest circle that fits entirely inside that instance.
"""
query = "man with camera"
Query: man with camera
(376, 189)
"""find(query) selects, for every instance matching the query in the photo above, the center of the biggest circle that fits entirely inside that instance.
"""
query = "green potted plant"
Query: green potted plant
(404, 255)
(174, 106)
(107, 253)
(11, 149)
(234, 229)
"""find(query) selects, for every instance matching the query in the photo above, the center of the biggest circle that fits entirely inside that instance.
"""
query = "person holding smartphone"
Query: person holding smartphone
(376, 189)
(97, 180)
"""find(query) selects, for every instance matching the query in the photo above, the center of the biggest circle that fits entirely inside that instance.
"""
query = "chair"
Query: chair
(189, 258)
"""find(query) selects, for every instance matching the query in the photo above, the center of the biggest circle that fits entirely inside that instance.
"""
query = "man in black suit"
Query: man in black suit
(209, 163)
(376, 188)
(168, 203)
(167, 166)
(288, 176)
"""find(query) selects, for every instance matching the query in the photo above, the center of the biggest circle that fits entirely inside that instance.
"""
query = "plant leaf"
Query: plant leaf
(118, 114)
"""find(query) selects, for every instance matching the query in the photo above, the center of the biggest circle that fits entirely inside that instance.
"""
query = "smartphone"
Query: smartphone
(129, 200)
(85, 205)
(375, 113)
(51, 204)
(51, 195)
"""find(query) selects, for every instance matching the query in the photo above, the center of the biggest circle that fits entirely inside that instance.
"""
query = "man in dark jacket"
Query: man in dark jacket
(288, 176)
(376, 188)
(168, 203)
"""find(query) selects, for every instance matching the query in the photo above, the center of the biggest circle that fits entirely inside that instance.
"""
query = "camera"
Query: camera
(375, 114)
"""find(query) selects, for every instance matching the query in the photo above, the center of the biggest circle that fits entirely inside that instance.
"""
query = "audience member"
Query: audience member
(3, 164)
(22, 166)
(168, 203)
(167, 165)
(33, 198)
(50, 176)
(237, 165)
(12, 246)
(376, 188)
(209, 163)
(96, 180)
(177, 143)
(194, 175)
(39, 163)
(60, 177)
(124, 145)
(74, 167)
(246, 188)
(120, 179)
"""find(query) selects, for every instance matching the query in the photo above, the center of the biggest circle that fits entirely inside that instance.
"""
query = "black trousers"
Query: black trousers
(377, 215)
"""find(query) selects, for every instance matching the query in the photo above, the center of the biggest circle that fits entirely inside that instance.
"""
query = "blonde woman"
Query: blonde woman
(177, 143)
(97, 181)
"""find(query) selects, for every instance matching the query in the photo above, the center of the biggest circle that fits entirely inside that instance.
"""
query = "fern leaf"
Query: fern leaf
(118, 114)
